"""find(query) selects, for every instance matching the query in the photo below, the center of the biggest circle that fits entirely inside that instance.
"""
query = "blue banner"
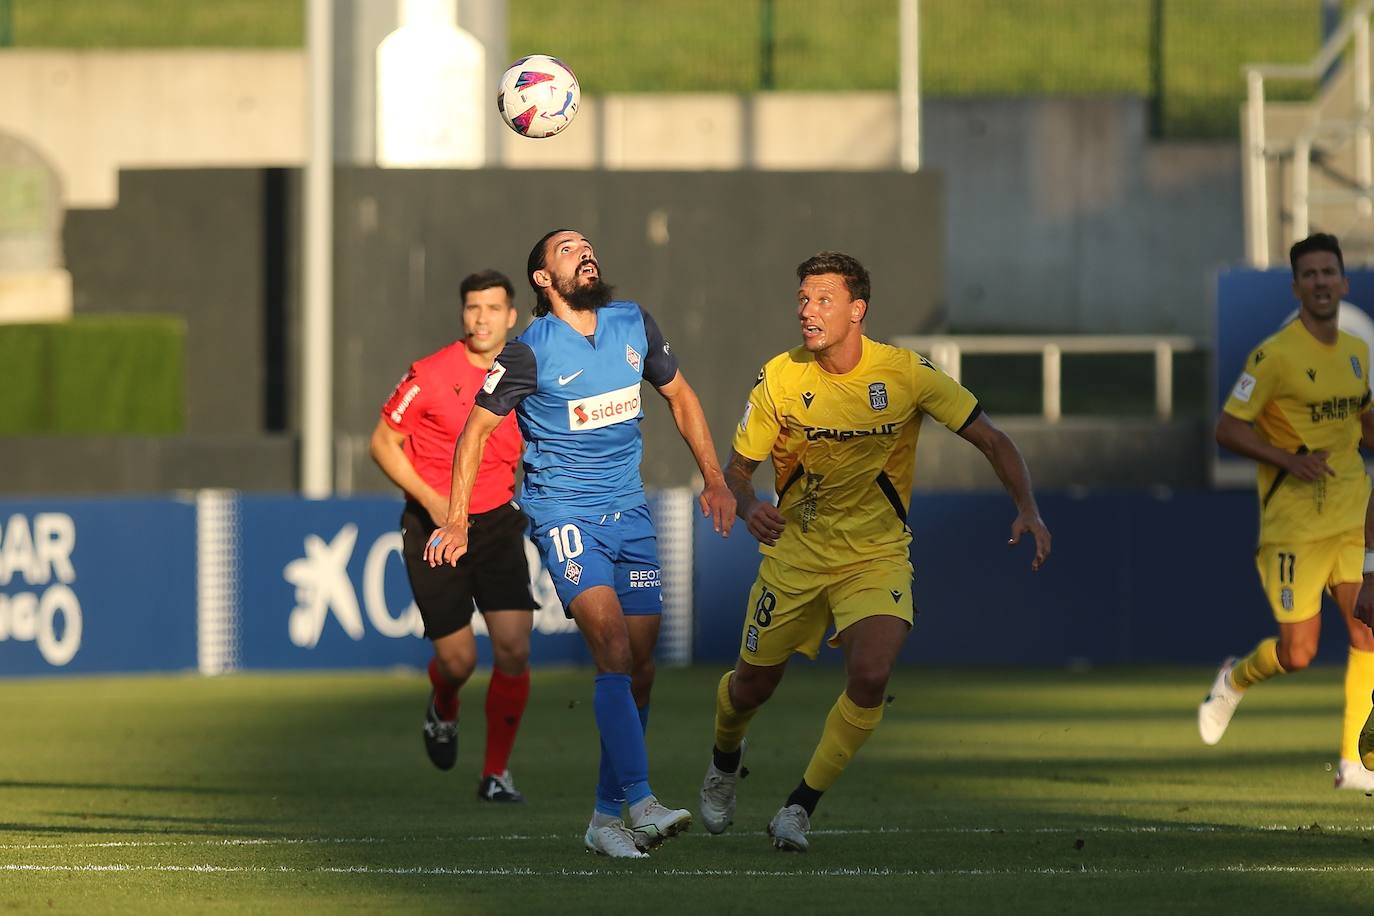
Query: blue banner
(322, 585)
(1134, 577)
(97, 585)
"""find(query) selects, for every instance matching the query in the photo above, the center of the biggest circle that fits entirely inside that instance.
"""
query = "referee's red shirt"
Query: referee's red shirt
(430, 406)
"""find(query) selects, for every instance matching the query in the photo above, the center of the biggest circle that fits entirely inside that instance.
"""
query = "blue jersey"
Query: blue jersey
(578, 401)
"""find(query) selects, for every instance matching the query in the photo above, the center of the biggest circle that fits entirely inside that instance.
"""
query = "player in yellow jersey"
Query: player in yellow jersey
(1300, 409)
(839, 416)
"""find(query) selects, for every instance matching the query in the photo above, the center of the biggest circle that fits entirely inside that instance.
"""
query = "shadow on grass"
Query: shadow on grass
(122, 787)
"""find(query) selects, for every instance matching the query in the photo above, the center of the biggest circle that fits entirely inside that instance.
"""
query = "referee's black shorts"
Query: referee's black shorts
(494, 572)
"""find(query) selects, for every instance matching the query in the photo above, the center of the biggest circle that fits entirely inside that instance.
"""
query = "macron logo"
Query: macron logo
(604, 409)
(564, 379)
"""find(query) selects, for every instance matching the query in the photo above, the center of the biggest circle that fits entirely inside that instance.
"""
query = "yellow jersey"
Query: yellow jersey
(844, 449)
(1304, 395)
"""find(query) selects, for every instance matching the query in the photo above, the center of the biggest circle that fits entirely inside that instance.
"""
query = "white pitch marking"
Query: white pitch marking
(702, 872)
(323, 841)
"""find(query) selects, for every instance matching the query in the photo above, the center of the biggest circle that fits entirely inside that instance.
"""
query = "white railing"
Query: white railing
(947, 353)
(1324, 136)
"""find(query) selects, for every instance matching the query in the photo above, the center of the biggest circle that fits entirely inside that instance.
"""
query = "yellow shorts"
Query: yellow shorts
(790, 609)
(1294, 575)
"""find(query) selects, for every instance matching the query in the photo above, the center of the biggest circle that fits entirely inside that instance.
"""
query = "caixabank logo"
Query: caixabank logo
(37, 601)
(324, 590)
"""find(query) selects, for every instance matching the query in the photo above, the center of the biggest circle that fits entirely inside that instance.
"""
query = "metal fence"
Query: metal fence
(1183, 55)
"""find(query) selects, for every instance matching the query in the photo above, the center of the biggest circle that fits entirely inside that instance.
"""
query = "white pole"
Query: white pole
(1257, 177)
(1302, 160)
(909, 83)
(317, 324)
(1051, 379)
(1364, 168)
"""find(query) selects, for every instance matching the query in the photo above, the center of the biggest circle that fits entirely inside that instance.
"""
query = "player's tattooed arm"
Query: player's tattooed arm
(762, 519)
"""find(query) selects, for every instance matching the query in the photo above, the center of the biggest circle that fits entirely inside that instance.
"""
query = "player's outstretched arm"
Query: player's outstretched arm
(388, 450)
(716, 501)
(1006, 460)
(1236, 435)
(450, 541)
(763, 520)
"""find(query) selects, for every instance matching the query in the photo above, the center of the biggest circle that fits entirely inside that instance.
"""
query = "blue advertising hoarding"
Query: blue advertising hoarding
(97, 585)
(322, 585)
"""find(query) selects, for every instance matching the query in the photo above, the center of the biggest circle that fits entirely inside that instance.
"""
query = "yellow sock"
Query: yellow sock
(1359, 681)
(1259, 665)
(846, 729)
(731, 724)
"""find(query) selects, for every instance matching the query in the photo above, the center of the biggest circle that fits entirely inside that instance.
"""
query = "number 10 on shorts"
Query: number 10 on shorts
(567, 542)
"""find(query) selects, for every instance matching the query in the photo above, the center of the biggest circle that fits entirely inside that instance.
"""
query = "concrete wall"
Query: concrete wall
(711, 254)
(1062, 215)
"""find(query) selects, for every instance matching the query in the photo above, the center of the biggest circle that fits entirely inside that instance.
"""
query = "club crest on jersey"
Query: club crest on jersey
(493, 377)
(751, 639)
(1286, 599)
(573, 572)
(632, 357)
(1355, 364)
(877, 396)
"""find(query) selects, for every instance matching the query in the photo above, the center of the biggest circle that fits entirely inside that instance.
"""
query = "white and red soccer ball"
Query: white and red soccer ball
(538, 96)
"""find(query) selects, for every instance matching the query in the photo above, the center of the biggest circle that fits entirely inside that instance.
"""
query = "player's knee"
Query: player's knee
(456, 664)
(1295, 658)
(611, 651)
(511, 656)
(866, 685)
(750, 688)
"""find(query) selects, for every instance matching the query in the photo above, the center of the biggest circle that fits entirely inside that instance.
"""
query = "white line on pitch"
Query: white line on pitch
(703, 872)
(323, 841)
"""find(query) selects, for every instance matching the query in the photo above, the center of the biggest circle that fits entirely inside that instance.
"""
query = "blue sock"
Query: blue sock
(624, 774)
(609, 798)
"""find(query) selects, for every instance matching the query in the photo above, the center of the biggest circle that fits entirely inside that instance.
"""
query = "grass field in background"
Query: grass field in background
(1032, 791)
(968, 47)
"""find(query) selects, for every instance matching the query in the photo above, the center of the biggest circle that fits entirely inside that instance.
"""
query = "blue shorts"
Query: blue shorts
(617, 550)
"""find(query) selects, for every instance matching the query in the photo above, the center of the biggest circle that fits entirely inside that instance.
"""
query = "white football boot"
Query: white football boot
(612, 840)
(788, 829)
(718, 795)
(1215, 712)
(652, 823)
(1351, 774)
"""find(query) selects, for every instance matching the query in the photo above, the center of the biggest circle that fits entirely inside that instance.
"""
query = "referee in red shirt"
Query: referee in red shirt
(413, 444)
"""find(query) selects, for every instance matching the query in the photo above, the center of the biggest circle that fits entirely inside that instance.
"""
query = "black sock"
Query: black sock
(726, 761)
(805, 796)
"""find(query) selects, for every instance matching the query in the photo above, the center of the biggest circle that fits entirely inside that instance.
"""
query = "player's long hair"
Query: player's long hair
(536, 262)
(833, 262)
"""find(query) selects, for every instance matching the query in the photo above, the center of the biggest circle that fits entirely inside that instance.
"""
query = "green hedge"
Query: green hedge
(107, 375)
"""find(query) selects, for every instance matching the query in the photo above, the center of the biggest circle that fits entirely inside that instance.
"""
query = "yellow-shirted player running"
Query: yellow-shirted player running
(1300, 409)
(839, 416)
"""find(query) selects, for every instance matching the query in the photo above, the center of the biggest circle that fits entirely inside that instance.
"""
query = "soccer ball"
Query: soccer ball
(538, 96)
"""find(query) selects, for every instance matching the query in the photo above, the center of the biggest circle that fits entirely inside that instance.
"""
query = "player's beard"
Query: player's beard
(586, 298)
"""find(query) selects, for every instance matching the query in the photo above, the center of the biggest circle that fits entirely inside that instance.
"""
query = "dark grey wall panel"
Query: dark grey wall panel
(712, 255)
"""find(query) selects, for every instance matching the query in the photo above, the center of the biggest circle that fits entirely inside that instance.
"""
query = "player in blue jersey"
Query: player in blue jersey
(573, 379)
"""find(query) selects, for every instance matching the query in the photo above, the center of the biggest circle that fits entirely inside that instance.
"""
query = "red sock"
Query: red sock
(506, 698)
(445, 694)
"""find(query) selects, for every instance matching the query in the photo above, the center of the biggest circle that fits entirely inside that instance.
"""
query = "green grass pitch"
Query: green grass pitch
(982, 791)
